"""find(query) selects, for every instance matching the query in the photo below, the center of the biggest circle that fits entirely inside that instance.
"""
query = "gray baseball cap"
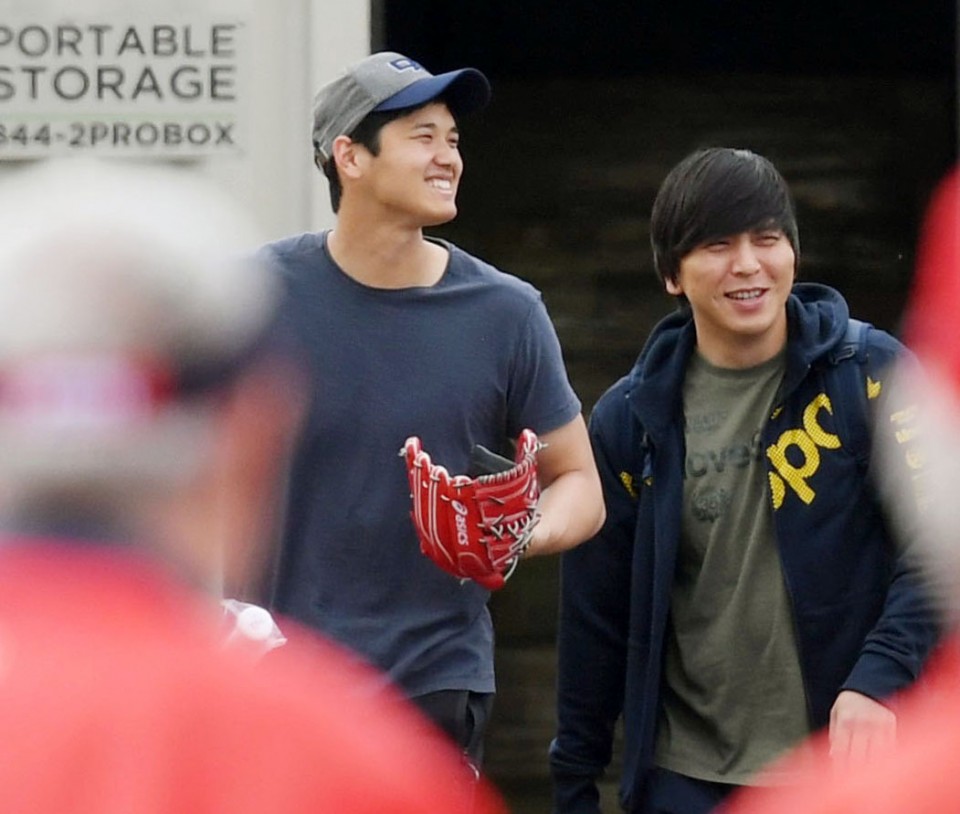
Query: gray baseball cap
(389, 81)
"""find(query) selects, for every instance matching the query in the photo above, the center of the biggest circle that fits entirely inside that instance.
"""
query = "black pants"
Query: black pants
(463, 715)
(671, 793)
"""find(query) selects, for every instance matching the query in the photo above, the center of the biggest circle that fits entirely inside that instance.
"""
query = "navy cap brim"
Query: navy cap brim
(464, 91)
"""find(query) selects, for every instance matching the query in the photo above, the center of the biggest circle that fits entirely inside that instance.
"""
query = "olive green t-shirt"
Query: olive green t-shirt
(733, 697)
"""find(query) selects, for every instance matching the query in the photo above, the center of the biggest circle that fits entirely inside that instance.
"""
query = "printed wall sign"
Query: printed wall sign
(115, 79)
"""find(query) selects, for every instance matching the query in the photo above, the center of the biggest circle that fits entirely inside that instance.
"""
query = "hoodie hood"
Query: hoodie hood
(817, 319)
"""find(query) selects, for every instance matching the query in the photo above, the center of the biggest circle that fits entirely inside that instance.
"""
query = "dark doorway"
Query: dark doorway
(855, 101)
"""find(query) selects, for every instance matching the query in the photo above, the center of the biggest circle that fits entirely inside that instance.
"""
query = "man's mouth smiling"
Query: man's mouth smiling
(745, 296)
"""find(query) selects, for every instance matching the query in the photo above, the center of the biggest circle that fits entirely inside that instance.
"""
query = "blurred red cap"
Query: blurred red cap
(931, 326)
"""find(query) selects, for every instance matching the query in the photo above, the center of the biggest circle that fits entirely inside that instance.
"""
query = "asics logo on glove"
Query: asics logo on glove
(461, 520)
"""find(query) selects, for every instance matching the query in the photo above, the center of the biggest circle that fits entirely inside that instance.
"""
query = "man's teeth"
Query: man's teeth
(745, 295)
(441, 183)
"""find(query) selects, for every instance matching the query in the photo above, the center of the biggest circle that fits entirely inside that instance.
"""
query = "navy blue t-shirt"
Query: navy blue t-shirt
(473, 359)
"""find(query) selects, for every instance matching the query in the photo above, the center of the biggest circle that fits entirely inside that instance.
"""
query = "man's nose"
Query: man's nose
(745, 259)
(446, 155)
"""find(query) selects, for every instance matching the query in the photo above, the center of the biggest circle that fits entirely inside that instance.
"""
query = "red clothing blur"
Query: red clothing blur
(920, 775)
(931, 316)
(117, 695)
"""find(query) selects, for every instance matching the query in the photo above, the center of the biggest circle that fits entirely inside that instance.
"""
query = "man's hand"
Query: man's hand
(860, 729)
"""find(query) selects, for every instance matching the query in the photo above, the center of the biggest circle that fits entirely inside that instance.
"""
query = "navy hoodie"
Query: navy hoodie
(863, 622)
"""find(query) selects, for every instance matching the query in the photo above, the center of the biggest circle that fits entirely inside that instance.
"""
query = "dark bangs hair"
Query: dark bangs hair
(713, 193)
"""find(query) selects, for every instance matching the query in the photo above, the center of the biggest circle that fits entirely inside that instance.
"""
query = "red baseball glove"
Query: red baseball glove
(475, 527)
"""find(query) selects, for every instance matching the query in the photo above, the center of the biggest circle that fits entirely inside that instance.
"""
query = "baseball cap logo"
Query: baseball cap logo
(405, 64)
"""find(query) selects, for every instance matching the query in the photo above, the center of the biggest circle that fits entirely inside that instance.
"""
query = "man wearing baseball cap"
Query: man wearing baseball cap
(409, 335)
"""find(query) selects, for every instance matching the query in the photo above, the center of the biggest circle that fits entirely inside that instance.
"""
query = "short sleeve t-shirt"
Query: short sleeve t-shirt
(473, 359)
(733, 694)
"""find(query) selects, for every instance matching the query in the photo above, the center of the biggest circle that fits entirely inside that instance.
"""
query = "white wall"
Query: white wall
(338, 36)
(301, 45)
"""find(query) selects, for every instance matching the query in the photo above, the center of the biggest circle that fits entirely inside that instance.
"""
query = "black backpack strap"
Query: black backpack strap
(849, 396)
(854, 342)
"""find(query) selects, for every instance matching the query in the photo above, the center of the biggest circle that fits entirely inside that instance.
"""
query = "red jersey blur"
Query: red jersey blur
(117, 695)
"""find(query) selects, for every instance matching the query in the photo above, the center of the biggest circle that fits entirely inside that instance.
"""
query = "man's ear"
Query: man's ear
(673, 287)
(349, 156)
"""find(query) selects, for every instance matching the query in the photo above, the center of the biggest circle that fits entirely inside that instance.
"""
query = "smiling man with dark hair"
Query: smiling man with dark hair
(745, 588)
(411, 336)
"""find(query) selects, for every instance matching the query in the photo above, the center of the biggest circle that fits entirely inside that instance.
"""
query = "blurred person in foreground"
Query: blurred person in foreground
(745, 589)
(919, 775)
(144, 423)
